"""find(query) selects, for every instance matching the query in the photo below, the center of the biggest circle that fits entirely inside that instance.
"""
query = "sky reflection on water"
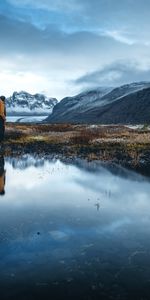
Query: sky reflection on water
(67, 224)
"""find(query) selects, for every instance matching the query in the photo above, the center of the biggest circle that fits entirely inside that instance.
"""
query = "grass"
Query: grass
(108, 143)
(76, 134)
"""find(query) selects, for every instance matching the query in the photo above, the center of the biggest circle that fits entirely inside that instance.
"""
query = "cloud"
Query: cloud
(51, 48)
(57, 5)
(115, 74)
(120, 36)
(114, 17)
(24, 37)
(62, 43)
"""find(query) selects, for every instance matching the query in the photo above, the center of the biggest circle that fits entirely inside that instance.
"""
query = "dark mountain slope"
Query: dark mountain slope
(122, 105)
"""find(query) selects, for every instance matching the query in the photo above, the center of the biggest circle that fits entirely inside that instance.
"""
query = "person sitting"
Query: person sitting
(2, 117)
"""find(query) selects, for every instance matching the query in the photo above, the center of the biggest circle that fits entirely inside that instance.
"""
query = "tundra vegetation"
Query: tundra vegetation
(126, 145)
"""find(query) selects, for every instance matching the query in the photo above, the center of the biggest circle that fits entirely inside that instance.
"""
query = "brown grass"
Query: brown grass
(46, 128)
(75, 134)
(87, 135)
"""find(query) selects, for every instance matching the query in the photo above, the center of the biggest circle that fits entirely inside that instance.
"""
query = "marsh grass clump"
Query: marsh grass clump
(46, 128)
(87, 135)
(14, 134)
(145, 127)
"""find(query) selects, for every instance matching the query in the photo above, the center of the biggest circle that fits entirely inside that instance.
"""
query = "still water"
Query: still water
(73, 230)
(25, 119)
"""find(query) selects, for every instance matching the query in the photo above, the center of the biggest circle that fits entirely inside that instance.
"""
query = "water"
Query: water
(25, 119)
(73, 230)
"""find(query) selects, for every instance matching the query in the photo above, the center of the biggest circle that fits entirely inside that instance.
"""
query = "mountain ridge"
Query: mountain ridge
(24, 103)
(128, 103)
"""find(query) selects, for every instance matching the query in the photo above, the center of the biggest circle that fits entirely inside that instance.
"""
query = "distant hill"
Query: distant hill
(125, 104)
(23, 103)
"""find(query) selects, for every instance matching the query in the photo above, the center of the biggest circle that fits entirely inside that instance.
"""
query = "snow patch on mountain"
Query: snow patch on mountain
(23, 103)
(90, 105)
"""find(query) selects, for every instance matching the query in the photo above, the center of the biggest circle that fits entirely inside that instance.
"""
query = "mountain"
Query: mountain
(125, 104)
(23, 103)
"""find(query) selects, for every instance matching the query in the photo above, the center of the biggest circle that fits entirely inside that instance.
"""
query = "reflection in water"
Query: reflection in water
(2, 176)
(74, 231)
(97, 206)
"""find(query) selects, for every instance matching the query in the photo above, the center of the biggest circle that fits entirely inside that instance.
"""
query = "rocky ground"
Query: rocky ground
(128, 146)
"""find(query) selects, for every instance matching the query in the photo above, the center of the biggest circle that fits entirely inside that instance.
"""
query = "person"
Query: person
(2, 117)
(2, 176)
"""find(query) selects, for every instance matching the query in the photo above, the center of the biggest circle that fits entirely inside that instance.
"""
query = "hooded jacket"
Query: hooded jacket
(2, 109)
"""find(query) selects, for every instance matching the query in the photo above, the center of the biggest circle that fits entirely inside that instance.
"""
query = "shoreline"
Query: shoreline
(115, 144)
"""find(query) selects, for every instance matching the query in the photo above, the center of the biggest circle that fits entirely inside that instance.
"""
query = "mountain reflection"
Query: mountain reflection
(69, 223)
(25, 161)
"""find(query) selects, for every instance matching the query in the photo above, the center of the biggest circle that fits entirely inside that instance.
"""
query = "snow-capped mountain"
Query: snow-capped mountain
(23, 103)
(129, 103)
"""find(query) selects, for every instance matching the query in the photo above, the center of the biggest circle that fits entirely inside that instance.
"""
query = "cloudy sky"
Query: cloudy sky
(62, 47)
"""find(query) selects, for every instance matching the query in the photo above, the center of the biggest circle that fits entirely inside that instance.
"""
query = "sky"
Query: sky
(63, 47)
